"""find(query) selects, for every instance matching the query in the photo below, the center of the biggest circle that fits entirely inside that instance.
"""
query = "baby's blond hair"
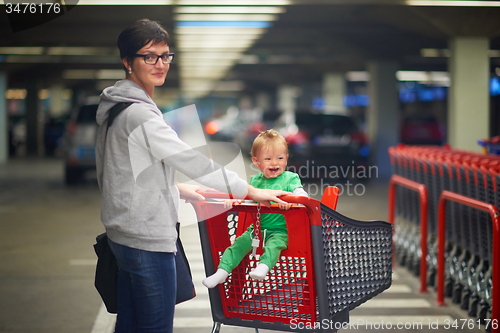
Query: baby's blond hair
(268, 138)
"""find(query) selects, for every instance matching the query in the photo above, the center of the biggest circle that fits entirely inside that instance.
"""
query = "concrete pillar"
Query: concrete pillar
(263, 101)
(57, 100)
(334, 90)
(33, 130)
(4, 144)
(287, 102)
(383, 114)
(468, 110)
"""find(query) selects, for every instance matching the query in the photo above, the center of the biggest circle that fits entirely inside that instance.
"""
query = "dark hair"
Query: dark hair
(139, 34)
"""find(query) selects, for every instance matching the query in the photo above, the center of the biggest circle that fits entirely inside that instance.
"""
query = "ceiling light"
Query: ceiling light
(424, 77)
(110, 74)
(212, 76)
(126, 2)
(358, 76)
(249, 59)
(81, 50)
(224, 24)
(215, 43)
(16, 94)
(198, 85)
(494, 53)
(210, 55)
(229, 86)
(447, 53)
(92, 74)
(225, 17)
(453, 3)
(277, 59)
(226, 37)
(22, 50)
(179, 31)
(226, 47)
(430, 53)
(234, 2)
(203, 58)
(77, 74)
(30, 59)
(229, 9)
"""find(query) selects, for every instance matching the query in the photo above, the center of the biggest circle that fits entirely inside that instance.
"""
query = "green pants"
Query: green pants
(275, 242)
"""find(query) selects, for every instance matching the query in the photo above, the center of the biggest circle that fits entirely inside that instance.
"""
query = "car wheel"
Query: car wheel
(73, 175)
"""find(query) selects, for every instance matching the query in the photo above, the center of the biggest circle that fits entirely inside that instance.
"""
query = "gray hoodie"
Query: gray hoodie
(136, 171)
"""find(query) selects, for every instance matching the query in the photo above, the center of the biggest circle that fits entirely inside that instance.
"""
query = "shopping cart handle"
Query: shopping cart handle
(313, 206)
(214, 194)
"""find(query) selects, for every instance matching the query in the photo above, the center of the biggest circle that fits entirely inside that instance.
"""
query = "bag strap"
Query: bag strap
(115, 111)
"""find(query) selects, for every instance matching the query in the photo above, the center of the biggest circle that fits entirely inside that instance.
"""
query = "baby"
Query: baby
(270, 154)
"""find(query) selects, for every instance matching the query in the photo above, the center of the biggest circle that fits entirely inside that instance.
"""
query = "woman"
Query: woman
(136, 162)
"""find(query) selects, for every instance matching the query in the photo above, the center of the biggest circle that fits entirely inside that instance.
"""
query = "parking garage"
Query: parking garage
(379, 62)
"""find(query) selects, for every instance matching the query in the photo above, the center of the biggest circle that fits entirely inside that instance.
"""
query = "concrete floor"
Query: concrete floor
(48, 263)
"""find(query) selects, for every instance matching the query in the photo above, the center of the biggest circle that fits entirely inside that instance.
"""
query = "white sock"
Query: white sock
(260, 272)
(213, 280)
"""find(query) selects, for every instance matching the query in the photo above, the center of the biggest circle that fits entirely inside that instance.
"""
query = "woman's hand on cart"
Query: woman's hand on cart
(265, 196)
(190, 193)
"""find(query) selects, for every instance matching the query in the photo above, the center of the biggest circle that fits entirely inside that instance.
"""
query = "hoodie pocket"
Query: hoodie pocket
(145, 205)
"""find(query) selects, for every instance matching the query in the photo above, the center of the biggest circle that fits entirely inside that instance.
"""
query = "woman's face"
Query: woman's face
(145, 75)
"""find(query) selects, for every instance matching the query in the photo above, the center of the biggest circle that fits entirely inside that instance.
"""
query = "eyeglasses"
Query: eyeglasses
(152, 59)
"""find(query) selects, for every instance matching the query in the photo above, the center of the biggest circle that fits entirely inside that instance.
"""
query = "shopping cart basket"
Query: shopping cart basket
(332, 264)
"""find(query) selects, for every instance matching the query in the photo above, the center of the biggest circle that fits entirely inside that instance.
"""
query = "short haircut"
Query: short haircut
(269, 138)
(139, 34)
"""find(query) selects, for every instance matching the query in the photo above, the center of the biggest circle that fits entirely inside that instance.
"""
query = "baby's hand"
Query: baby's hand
(285, 206)
(228, 203)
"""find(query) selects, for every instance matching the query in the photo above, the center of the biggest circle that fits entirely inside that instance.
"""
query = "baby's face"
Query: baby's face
(271, 161)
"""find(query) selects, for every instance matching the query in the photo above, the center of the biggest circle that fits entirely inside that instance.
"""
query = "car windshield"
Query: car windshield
(316, 124)
(87, 114)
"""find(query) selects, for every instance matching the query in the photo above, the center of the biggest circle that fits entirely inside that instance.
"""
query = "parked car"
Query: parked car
(224, 127)
(79, 141)
(262, 121)
(52, 134)
(17, 135)
(422, 130)
(325, 145)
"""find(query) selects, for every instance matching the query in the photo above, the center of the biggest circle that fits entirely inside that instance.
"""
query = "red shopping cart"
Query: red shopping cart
(332, 264)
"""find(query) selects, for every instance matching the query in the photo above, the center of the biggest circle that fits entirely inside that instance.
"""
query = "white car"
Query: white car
(79, 141)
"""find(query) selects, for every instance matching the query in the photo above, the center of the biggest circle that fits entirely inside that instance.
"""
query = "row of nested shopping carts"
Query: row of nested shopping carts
(444, 203)
(332, 265)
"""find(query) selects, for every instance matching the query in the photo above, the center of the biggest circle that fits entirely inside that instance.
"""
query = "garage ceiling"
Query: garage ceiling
(305, 41)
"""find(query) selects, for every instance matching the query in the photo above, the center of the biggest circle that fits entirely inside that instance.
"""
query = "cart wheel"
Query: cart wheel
(416, 266)
(482, 312)
(216, 327)
(401, 257)
(464, 304)
(456, 293)
(431, 278)
(473, 305)
(448, 287)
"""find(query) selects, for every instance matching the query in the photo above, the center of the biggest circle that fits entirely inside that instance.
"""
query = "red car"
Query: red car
(422, 130)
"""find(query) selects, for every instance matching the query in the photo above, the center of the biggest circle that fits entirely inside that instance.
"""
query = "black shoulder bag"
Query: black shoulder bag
(106, 275)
